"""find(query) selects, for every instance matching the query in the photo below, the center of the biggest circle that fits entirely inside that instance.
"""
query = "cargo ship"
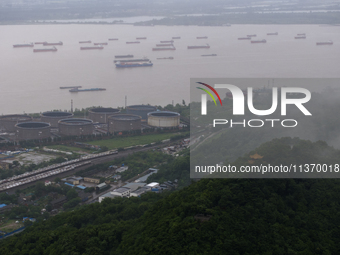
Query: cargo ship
(300, 37)
(202, 37)
(49, 44)
(124, 65)
(199, 47)
(132, 42)
(258, 41)
(209, 55)
(302, 34)
(113, 39)
(71, 87)
(244, 38)
(23, 45)
(164, 44)
(276, 33)
(39, 42)
(171, 41)
(85, 42)
(176, 37)
(105, 43)
(132, 60)
(251, 35)
(164, 48)
(166, 58)
(124, 56)
(92, 48)
(84, 90)
(325, 43)
(140, 38)
(44, 50)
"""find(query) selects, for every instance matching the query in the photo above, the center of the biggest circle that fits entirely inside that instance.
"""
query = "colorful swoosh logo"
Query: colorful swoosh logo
(208, 92)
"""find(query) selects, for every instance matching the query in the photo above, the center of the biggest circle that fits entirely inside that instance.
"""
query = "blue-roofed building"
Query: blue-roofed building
(81, 187)
(2, 205)
(69, 184)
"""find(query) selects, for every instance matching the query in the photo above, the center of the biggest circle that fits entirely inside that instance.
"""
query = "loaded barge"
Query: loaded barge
(132, 60)
(125, 65)
(92, 48)
(199, 47)
(85, 90)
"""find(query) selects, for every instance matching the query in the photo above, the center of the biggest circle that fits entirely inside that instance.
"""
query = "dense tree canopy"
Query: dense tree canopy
(211, 216)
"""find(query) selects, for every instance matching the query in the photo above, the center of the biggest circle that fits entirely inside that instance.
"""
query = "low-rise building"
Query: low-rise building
(106, 195)
(152, 185)
(122, 169)
(139, 192)
(47, 183)
(93, 180)
(73, 180)
(101, 186)
(122, 192)
(58, 202)
(134, 185)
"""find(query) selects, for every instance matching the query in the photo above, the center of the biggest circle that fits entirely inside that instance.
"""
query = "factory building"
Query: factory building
(140, 110)
(8, 122)
(101, 114)
(32, 130)
(75, 127)
(163, 119)
(124, 122)
(54, 117)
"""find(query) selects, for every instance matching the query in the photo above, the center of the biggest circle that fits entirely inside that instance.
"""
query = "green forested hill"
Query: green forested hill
(244, 216)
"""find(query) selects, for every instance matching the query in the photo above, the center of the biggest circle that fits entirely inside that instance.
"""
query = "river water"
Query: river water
(30, 81)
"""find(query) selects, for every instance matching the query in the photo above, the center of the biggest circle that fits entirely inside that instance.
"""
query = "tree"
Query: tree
(49, 207)
(16, 163)
(104, 148)
(72, 193)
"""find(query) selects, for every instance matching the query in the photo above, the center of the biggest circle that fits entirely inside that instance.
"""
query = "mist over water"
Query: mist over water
(30, 81)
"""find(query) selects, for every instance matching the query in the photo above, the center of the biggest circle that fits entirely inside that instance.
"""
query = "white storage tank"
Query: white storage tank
(164, 119)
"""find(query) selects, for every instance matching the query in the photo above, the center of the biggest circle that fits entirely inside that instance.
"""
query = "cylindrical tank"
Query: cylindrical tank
(32, 130)
(75, 127)
(140, 110)
(54, 117)
(124, 122)
(7, 122)
(101, 114)
(163, 119)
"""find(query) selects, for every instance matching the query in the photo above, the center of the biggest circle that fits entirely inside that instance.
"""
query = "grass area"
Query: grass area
(69, 148)
(122, 142)
(10, 226)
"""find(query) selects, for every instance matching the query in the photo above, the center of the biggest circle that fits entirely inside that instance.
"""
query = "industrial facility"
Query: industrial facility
(75, 127)
(124, 122)
(7, 122)
(101, 114)
(140, 110)
(54, 117)
(163, 119)
(32, 130)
